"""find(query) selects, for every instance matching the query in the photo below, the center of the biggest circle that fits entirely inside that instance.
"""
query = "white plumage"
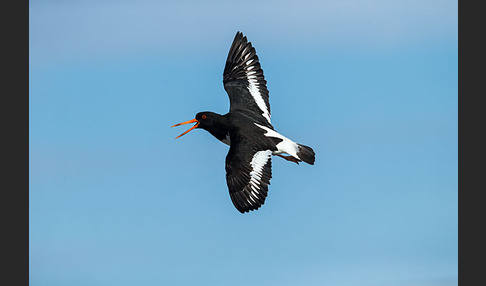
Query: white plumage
(257, 163)
(286, 146)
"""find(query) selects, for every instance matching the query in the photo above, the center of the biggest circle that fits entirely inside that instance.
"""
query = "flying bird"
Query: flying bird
(247, 129)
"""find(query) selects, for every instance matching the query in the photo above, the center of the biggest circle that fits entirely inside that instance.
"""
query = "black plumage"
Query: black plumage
(247, 129)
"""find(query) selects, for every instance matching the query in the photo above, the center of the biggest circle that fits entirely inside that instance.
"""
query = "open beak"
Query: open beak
(187, 122)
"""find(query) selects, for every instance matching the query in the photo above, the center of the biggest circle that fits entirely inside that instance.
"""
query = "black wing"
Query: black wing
(248, 174)
(243, 79)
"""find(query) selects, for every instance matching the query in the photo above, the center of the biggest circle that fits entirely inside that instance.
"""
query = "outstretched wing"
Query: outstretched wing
(243, 79)
(248, 174)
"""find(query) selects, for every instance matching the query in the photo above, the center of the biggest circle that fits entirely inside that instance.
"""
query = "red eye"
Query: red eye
(204, 117)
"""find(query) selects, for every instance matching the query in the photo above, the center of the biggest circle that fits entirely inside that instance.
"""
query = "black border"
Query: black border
(470, 141)
(15, 136)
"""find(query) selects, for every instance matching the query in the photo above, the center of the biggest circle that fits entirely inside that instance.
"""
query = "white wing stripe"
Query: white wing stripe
(257, 163)
(254, 89)
(255, 92)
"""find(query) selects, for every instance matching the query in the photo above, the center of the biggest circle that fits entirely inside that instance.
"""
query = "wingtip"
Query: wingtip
(242, 38)
(248, 210)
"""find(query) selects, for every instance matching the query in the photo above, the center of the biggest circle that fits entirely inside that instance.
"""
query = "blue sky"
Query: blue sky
(371, 86)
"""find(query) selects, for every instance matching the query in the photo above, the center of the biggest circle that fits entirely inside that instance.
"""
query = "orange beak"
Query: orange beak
(187, 122)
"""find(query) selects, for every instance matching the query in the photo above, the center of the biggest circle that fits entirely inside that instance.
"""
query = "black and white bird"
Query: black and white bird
(247, 129)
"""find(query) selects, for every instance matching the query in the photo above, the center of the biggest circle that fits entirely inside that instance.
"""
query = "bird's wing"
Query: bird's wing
(243, 80)
(248, 174)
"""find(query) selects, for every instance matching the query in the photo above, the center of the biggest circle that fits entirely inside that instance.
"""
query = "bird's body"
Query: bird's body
(247, 129)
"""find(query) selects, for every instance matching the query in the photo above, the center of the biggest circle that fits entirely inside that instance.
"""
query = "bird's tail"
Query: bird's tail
(306, 154)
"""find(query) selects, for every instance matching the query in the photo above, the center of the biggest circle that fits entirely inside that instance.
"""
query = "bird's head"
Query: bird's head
(204, 120)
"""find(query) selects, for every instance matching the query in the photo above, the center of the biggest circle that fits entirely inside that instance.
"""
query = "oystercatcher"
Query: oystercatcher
(247, 129)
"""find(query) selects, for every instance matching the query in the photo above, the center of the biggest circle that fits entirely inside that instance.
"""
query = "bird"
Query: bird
(247, 129)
